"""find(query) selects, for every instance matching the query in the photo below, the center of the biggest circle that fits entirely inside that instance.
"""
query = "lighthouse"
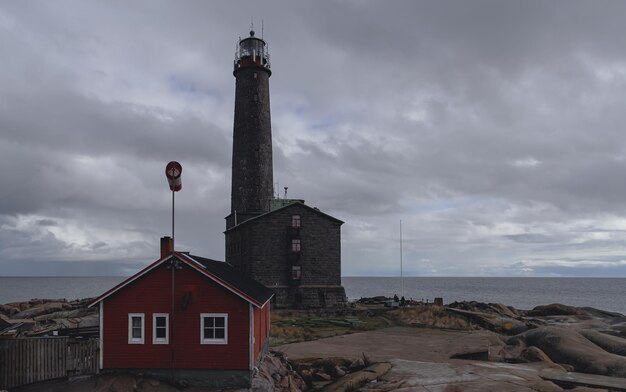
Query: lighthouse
(252, 177)
(290, 247)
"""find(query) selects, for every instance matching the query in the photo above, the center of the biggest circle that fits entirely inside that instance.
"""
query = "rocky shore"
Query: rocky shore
(466, 344)
(372, 347)
(48, 317)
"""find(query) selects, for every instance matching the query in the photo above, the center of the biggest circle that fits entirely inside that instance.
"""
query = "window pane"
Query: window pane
(214, 329)
(295, 245)
(136, 333)
(136, 322)
(160, 321)
(160, 333)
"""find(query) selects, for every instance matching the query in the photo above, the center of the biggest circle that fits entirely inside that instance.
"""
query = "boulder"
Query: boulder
(321, 376)
(569, 347)
(357, 364)
(554, 310)
(612, 344)
(504, 310)
(601, 313)
(493, 322)
(42, 309)
(260, 384)
(534, 354)
(513, 350)
(489, 308)
(275, 374)
(62, 314)
(8, 310)
(354, 380)
(306, 375)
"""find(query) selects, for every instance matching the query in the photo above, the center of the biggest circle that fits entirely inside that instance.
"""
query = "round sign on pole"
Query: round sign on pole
(173, 170)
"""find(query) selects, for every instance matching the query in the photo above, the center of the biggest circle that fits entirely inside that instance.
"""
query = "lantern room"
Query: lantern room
(252, 52)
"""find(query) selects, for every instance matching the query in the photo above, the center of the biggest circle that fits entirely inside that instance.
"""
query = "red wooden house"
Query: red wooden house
(185, 317)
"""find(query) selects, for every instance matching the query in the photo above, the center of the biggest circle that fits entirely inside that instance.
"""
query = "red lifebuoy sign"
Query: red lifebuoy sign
(173, 170)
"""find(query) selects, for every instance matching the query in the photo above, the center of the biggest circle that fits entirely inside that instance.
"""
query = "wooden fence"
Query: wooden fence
(29, 360)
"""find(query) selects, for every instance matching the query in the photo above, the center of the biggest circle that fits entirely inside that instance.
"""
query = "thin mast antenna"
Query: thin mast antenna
(262, 27)
(401, 272)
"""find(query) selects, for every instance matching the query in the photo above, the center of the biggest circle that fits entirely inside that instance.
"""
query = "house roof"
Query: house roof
(291, 205)
(236, 279)
(218, 271)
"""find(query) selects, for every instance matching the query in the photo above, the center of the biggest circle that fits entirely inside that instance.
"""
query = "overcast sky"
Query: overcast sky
(493, 129)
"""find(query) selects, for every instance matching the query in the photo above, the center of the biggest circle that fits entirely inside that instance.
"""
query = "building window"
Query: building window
(296, 272)
(295, 245)
(160, 333)
(213, 328)
(295, 221)
(135, 328)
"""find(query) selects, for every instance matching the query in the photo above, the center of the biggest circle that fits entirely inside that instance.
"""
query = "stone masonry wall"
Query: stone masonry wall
(262, 250)
(320, 257)
(252, 178)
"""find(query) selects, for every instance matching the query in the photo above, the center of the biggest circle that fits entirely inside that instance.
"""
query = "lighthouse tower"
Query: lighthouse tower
(284, 244)
(252, 177)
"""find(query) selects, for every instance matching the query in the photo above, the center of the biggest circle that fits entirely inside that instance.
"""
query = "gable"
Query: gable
(296, 207)
(220, 275)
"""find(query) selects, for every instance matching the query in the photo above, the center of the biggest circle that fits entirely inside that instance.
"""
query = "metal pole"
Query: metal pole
(401, 272)
(173, 265)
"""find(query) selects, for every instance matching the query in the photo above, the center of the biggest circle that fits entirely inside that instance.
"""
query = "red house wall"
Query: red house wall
(261, 328)
(150, 294)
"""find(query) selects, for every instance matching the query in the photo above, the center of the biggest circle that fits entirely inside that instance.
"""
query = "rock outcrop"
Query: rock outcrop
(276, 374)
(40, 317)
(554, 310)
(569, 347)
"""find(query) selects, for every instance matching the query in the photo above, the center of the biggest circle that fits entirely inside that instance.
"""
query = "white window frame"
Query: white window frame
(214, 341)
(132, 340)
(156, 340)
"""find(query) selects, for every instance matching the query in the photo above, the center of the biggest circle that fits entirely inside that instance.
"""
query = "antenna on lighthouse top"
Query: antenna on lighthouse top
(251, 23)
(262, 27)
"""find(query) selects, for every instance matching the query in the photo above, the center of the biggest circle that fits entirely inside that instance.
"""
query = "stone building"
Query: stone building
(284, 244)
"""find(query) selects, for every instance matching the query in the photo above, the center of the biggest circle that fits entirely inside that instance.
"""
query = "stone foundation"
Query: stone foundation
(205, 378)
(309, 297)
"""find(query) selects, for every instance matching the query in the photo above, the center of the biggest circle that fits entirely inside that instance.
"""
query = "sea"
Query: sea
(521, 293)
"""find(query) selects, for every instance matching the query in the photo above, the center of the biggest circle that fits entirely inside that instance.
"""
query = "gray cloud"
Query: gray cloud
(493, 129)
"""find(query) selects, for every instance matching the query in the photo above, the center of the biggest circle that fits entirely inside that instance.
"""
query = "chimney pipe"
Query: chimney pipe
(166, 246)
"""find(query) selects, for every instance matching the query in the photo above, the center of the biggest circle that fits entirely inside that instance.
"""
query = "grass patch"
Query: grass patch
(292, 326)
(430, 316)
